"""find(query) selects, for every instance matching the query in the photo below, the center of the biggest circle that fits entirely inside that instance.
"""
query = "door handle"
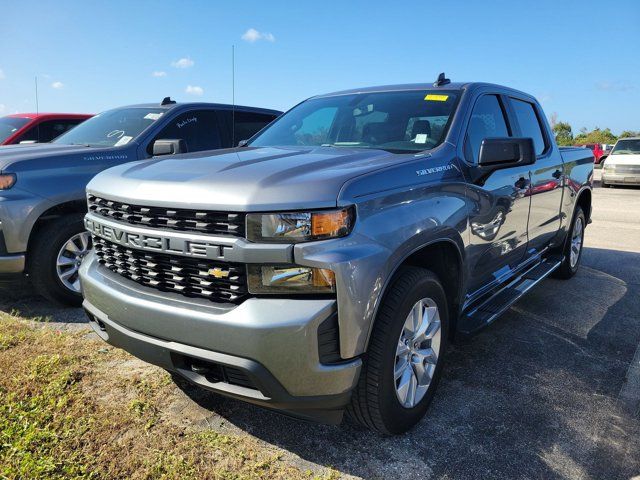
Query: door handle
(522, 183)
(557, 174)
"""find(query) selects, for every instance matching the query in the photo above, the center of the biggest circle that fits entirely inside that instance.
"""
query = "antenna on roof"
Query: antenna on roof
(442, 80)
(167, 101)
(233, 96)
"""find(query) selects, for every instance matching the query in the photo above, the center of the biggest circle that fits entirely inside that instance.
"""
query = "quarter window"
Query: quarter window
(247, 124)
(487, 120)
(529, 124)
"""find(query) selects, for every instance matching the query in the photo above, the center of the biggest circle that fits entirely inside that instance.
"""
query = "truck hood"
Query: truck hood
(243, 179)
(15, 158)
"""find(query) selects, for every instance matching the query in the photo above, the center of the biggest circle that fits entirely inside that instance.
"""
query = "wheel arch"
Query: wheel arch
(436, 255)
(583, 200)
(52, 213)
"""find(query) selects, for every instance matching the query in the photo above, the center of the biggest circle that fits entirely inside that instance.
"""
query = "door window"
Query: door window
(487, 120)
(529, 124)
(198, 128)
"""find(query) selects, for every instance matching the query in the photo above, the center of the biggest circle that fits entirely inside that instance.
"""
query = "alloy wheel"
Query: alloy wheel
(70, 258)
(576, 242)
(417, 352)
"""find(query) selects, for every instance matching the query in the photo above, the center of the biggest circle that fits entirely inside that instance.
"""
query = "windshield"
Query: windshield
(112, 128)
(10, 125)
(398, 122)
(627, 147)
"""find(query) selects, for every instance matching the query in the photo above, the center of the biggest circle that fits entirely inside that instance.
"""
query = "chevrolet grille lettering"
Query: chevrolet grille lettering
(156, 242)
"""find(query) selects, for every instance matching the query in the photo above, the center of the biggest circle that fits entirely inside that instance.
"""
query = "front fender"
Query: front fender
(389, 228)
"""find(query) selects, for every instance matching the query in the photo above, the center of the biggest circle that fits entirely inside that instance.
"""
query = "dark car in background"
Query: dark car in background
(37, 127)
(42, 186)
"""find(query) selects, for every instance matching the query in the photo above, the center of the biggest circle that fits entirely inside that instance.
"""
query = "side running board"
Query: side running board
(487, 310)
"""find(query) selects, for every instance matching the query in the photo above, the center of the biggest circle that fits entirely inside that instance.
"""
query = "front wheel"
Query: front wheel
(403, 365)
(55, 257)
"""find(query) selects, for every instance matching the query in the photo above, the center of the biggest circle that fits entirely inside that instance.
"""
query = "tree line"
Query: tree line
(565, 137)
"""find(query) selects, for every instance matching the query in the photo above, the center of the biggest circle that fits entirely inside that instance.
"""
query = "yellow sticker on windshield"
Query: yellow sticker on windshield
(436, 98)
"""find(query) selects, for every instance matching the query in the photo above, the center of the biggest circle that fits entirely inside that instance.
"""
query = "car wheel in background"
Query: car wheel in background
(403, 364)
(55, 256)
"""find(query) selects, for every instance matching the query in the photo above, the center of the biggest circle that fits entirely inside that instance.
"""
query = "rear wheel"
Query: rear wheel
(402, 368)
(55, 257)
(572, 252)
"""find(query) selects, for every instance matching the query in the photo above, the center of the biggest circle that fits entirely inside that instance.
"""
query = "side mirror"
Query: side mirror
(496, 153)
(169, 147)
(243, 143)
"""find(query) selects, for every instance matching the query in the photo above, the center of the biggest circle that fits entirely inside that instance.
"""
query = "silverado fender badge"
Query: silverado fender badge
(429, 171)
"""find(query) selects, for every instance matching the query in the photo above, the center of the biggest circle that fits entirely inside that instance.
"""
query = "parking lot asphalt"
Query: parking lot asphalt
(550, 390)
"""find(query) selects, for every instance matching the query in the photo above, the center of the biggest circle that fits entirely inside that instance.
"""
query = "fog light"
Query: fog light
(276, 279)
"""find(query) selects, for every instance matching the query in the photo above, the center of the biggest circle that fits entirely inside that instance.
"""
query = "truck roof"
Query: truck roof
(36, 116)
(421, 86)
(221, 106)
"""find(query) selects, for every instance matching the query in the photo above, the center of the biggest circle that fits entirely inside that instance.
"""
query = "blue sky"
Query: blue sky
(579, 58)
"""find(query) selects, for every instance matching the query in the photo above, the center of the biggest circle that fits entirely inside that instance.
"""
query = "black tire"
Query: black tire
(43, 254)
(565, 271)
(374, 403)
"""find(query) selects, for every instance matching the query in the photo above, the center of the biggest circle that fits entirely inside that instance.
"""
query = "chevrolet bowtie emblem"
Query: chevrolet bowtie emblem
(218, 272)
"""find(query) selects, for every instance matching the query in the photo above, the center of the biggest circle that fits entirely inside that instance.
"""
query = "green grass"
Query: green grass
(69, 409)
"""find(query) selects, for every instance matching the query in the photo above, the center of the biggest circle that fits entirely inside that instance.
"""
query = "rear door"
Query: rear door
(546, 174)
(498, 220)
(242, 125)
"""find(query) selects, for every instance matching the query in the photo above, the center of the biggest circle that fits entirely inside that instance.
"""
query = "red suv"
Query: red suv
(597, 150)
(37, 127)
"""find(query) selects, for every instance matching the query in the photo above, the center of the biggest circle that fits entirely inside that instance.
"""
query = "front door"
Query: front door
(500, 205)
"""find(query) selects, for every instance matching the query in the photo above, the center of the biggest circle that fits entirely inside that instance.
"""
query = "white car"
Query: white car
(622, 166)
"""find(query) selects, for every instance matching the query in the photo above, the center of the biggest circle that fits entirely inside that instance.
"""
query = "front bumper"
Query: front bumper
(620, 178)
(272, 342)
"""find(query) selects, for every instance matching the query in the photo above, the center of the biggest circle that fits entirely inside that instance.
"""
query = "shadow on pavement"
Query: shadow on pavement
(18, 296)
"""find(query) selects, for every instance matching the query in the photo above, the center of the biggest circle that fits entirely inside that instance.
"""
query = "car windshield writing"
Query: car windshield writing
(112, 128)
(10, 125)
(405, 121)
(627, 147)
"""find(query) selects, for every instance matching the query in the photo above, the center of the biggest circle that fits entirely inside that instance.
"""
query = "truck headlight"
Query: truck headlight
(276, 279)
(7, 180)
(294, 227)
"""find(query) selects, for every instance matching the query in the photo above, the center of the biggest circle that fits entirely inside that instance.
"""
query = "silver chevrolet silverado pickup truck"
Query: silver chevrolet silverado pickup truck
(325, 264)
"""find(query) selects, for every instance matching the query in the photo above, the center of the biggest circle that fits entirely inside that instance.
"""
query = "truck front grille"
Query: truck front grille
(184, 220)
(217, 281)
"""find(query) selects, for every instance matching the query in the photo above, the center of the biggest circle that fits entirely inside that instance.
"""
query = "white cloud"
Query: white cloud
(57, 85)
(3, 107)
(614, 86)
(183, 63)
(158, 74)
(252, 35)
(2, 77)
(194, 90)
